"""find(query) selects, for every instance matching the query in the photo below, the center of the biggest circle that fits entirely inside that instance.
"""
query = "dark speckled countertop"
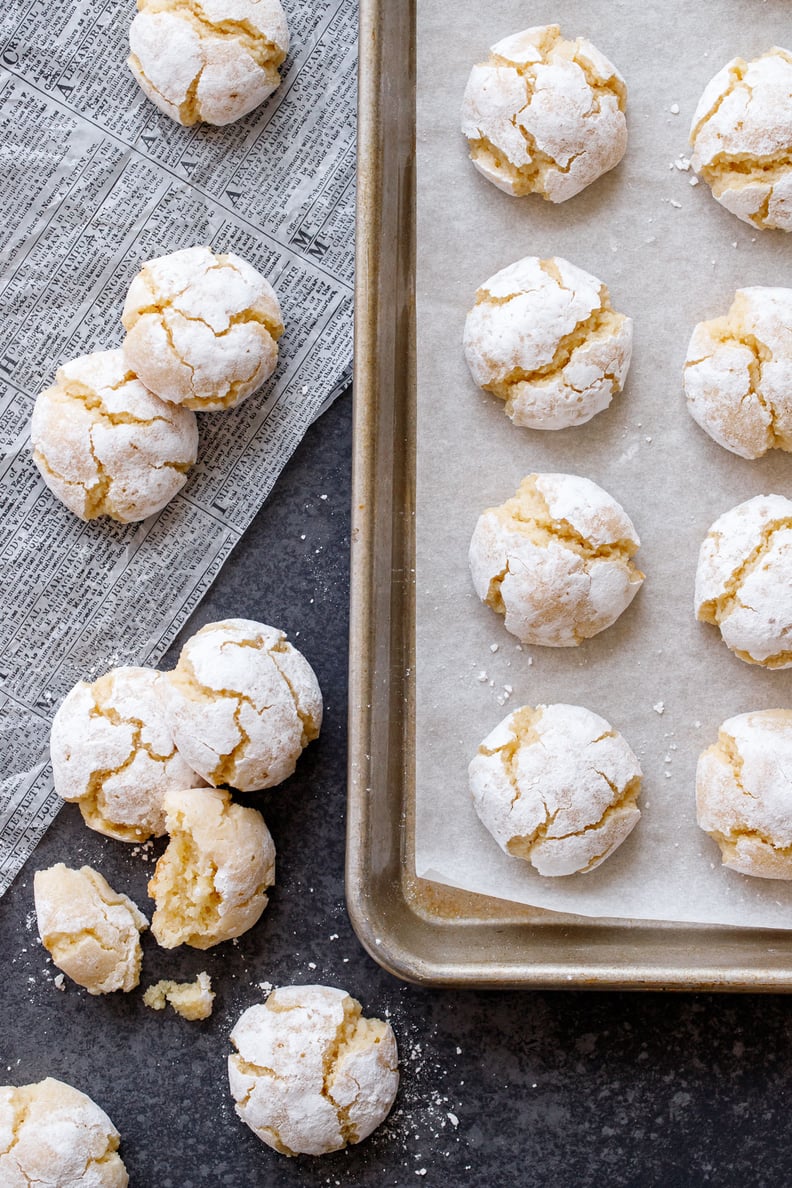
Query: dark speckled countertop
(498, 1089)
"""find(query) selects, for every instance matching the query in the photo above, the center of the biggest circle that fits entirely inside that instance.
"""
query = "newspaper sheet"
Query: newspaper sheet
(93, 181)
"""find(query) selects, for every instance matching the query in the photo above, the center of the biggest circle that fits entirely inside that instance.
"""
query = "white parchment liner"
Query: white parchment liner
(671, 256)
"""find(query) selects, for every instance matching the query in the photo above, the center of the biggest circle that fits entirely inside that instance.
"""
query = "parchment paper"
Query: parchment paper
(94, 180)
(671, 256)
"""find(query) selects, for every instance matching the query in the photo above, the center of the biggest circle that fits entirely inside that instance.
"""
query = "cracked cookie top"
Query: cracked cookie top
(106, 445)
(741, 137)
(208, 60)
(544, 338)
(113, 753)
(738, 373)
(555, 560)
(556, 785)
(202, 329)
(242, 703)
(310, 1074)
(210, 884)
(744, 794)
(544, 115)
(54, 1136)
(744, 580)
(90, 931)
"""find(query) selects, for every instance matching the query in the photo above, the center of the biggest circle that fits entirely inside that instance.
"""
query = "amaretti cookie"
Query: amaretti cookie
(544, 115)
(91, 931)
(113, 753)
(242, 703)
(744, 793)
(744, 580)
(741, 137)
(738, 373)
(310, 1074)
(106, 445)
(202, 328)
(556, 560)
(544, 338)
(557, 786)
(54, 1136)
(210, 884)
(212, 62)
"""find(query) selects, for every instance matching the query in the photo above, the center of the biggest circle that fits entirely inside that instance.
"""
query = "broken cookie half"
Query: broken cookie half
(211, 882)
(91, 931)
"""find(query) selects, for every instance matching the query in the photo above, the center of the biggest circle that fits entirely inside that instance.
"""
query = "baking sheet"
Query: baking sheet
(670, 256)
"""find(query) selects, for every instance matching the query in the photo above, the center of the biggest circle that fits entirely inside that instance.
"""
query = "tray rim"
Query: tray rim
(385, 903)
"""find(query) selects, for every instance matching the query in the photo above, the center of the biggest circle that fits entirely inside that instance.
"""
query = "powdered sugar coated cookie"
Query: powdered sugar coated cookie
(555, 560)
(113, 753)
(744, 580)
(741, 136)
(544, 337)
(106, 445)
(213, 61)
(54, 1136)
(557, 786)
(310, 1074)
(744, 796)
(242, 703)
(202, 329)
(544, 115)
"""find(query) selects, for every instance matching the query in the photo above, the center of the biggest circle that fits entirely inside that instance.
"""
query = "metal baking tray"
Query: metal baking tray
(417, 930)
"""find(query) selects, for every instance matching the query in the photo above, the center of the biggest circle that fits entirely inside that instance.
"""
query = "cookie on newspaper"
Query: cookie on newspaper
(744, 795)
(557, 786)
(113, 753)
(310, 1074)
(90, 931)
(242, 703)
(556, 560)
(54, 1136)
(742, 138)
(744, 580)
(544, 115)
(738, 373)
(202, 329)
(544, 337)
(106, 445)
(210, 884)
(211, 62)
